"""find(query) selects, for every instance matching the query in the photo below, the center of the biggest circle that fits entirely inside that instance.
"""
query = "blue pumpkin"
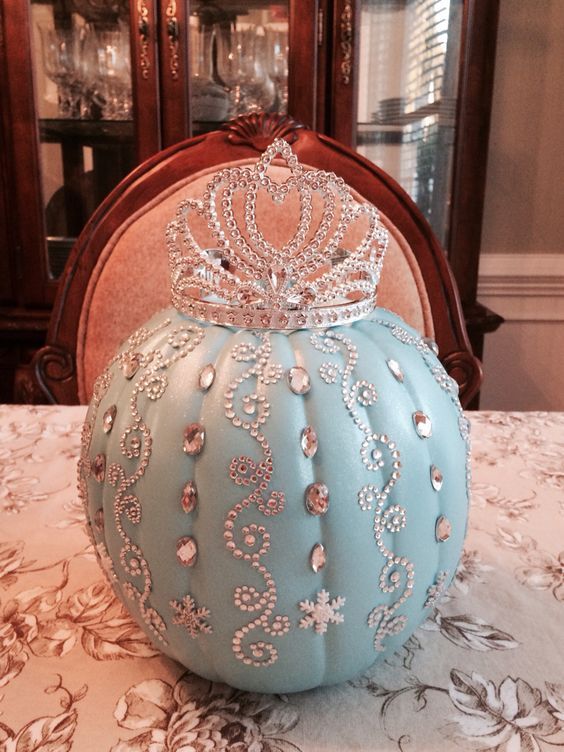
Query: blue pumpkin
(278, 510)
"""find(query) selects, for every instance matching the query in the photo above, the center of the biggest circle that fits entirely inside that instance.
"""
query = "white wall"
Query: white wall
(522, 265)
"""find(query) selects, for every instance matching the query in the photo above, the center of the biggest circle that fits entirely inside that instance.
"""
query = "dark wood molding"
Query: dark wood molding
(145, 76)
(303, 68)
(344, 75)
(23, 143)
(261, 128)
(174, 74)
(54, 369)
(475, 91)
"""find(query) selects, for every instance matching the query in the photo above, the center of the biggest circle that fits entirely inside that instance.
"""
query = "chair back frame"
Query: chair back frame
(54, 365)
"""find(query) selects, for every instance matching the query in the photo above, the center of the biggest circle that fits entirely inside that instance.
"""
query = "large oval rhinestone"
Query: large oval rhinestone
(207, 376)
(317, 498)
(131, 365)
(443, 529)
(299, 380)
(99, 467)
(318, 557)
(108, 418)
(194, 436)
(436, 478)
(309, 441)
(395, 369)
(422, 424)
(189, 497)
(99, 520)
(187, 551)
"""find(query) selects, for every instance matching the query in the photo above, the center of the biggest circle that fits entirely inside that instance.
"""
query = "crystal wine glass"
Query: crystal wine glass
(277, 61)
(59, 62)
(241, 67)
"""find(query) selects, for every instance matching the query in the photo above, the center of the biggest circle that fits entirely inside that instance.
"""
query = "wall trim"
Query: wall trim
(523, 286)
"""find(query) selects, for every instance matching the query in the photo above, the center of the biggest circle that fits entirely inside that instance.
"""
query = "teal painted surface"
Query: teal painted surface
(304, 658)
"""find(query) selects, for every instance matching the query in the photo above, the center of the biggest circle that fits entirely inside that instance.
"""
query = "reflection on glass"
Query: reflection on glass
(91, 68)
(409, 56)
(241, 65)
(210, 100)
(238, 60)
(277, 61)
(61, 62)
(83, 97)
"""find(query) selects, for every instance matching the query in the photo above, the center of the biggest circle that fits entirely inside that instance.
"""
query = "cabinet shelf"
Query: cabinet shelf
(87, 132)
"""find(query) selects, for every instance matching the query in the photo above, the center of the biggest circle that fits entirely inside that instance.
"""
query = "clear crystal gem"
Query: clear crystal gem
(249, 405)
(395, 368)
(99, 467)
(277, 276)
(207, 376)
(189, 497)
(99, 520)
(194, 436)
(422, 424)
(443, 528)
(317, 498)
(131, 365)
(309, 441)
(436, 478)
(299, 380)
(187, 551)
(108, 418)
(318, 557)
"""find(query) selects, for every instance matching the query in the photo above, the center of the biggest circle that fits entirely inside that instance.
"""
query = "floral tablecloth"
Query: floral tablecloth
(485, 671)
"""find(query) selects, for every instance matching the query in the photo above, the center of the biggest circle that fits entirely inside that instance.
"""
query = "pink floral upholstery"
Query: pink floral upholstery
(130, 281)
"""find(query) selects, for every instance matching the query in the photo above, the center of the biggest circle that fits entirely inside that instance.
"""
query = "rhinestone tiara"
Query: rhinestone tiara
(225, 270)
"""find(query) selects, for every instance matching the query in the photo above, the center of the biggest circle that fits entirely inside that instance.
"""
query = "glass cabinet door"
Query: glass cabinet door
(409, 59)
(238, 60)
(83, 103)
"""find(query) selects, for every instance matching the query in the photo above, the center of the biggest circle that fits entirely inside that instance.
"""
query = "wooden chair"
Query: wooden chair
(117, 274)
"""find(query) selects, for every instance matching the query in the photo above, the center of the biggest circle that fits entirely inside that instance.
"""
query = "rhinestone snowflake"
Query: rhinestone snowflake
(322, 612)
(190, 616)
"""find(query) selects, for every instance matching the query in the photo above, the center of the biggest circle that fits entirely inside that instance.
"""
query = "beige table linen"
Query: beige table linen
(485, 671)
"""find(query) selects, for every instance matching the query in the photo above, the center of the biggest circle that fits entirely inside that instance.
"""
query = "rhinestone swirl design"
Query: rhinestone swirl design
(249, 541)
(150, 381)
(377, 452)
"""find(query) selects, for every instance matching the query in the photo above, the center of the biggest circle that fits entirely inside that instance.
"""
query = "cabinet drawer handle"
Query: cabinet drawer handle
(173, 33)
(346, 42)
(144, 30)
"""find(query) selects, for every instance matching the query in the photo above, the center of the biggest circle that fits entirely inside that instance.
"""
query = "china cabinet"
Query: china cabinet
(91, 88)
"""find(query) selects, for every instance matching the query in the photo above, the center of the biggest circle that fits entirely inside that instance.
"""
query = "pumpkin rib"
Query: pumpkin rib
(299, 352)
(220, 354)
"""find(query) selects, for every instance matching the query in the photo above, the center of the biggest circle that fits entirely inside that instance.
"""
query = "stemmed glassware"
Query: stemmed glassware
(92, 70)
(210, 101)
(276, 38)
(59, 61)
(114, 74)
(240, 65)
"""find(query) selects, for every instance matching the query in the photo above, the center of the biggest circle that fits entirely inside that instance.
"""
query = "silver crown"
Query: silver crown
(224, 270)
